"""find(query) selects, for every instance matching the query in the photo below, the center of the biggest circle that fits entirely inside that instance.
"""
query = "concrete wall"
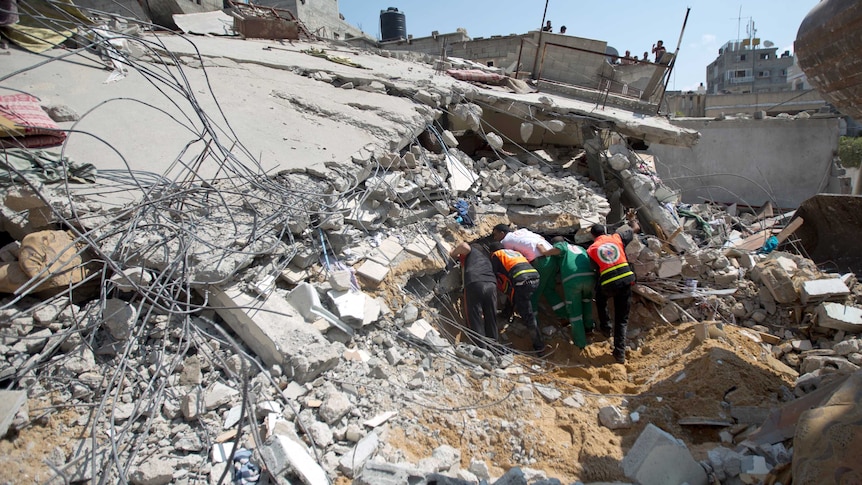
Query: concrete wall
(560, 63)
(320, 17)
(500, 51)
(791, 102)
(752, 161)
(566, 65)
(432, 45)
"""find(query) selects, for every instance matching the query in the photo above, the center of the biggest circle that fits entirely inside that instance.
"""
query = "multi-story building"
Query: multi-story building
(743, 66)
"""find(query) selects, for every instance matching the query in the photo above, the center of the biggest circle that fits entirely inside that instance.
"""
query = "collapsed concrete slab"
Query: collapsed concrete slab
(840, 317)
(276, 332)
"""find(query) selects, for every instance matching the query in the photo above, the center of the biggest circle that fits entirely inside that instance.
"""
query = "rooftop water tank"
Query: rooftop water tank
(393, 25)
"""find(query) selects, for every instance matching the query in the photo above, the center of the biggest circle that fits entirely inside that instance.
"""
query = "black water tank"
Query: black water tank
(393, 25)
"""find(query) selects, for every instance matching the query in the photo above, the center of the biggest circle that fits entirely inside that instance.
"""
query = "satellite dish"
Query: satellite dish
(768, 43)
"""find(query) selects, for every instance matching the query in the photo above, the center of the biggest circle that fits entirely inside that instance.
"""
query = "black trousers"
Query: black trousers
(522, 297)
(480, 308)
(622, 296)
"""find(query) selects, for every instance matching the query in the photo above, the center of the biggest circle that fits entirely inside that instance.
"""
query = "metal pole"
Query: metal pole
(534, 74)
(673, 61)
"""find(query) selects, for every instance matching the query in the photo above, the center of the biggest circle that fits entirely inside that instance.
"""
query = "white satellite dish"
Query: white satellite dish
(768, 43)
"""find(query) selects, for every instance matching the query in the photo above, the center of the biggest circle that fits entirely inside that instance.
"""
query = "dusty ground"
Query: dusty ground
(669, 378)
(49, 438)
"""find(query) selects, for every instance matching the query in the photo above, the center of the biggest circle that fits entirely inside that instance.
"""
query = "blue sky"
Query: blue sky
(632, 25)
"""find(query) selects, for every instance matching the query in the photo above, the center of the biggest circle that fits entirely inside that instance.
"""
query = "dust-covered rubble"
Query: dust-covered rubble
(304, 326)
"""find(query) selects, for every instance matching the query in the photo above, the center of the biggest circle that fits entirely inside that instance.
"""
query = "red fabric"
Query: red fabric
(476, 75)
(39, 129)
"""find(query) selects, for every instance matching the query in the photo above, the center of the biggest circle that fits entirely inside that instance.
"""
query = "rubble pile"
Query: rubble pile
(304, 326)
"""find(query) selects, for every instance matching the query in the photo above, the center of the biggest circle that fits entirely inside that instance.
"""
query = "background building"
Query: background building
(743, 66)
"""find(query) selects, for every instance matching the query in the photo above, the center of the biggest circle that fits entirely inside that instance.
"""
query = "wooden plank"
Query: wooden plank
(790, 229)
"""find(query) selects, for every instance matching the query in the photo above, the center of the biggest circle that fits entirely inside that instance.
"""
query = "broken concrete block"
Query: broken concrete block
(821, 290)
(283, 455)
(294, 275)
(840, 317)
(430, 99)
(618, 162)
(612, 417)
(373, 271)
(155, 471)
(813, 363)
(349, 306)
(420, 328)
(218, 395)
(375, 473)
(132, 278)
(461, 178)
(778, 282)
(10, 403)
(648, 461)
(449, 139)
(276, 332)
(669, 267)
(353, 461)
(494, 140)
(387, 251)
(422, 246)
(119, 317)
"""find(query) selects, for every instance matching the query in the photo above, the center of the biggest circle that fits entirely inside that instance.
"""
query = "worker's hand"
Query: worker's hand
(631, 214)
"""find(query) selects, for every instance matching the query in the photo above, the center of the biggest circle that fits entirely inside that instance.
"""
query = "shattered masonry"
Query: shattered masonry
(208, 274)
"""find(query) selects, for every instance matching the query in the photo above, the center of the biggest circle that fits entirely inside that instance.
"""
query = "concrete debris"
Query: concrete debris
(647, 461)
(840, 317)
(320, 297)
(613, 417)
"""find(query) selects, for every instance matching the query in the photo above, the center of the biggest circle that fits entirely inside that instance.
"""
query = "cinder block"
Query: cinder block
(657, 458)
(276, 332)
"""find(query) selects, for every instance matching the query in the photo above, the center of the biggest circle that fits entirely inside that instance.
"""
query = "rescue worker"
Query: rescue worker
(578, 280)
(536, 249)
(518, 280)
(480, 294)
(615, 280)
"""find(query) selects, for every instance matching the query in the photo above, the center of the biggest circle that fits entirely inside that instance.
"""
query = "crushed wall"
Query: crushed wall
(752, 161)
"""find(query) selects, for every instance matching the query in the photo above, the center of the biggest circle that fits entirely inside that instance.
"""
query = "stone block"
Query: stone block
(387, 251)
(669, 267)
(373, 271)
(374, 473)
(349, 306)
(658, 458)
(779, 284)
(422, 246)
(155, 471)
(822, 290)
(354, 460)
(840, 317)
(612, 417)
(283, 455)
(276, 332)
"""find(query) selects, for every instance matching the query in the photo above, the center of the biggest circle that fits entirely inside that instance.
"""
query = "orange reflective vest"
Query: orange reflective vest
(608, 252)
(511, 267)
